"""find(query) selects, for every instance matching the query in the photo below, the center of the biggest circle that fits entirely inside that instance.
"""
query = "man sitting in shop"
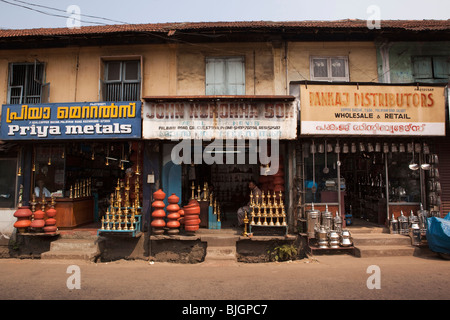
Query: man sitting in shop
(41, 189)
(241, 211)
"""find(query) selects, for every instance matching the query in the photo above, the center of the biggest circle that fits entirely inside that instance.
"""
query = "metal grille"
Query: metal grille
(25, 85)
(122, 89)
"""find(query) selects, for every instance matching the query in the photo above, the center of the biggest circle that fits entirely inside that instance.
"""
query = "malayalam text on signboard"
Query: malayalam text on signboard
(93, 120)
(372, 110)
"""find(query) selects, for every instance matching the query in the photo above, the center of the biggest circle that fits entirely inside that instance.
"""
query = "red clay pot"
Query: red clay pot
(158, 204)
(50, 229)
(191, 228)
(173, 207)
(24, 223)
(37, 223)
(173, 198)
(159, 195)
(23, 212)
(159, 213)
(39, 214)
(158, 223)
(51, 212)
(173, 224)
(50, 222)
(173, 215)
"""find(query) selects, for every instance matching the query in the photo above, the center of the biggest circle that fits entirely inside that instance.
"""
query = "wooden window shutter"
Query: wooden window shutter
(422, 68)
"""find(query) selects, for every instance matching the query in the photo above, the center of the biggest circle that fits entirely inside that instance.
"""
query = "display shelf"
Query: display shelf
(113, 225)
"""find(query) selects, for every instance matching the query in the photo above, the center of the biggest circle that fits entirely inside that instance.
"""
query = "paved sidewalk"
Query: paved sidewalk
(342, 277)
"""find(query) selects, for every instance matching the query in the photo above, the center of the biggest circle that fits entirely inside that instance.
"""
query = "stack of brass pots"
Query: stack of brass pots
(313, 217)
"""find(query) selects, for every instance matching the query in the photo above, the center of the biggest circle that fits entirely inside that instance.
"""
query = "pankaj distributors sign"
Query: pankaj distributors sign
(93, 120)
(372, 110)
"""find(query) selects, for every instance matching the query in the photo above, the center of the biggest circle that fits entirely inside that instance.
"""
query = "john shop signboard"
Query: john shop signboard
(87, 120)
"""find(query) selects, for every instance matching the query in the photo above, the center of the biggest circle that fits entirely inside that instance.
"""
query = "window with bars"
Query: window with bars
(26, 83)
(434, 68)
(122, 81)
(329, 68)
(225, 76)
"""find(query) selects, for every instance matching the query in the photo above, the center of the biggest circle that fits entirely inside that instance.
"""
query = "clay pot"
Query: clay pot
(159, 195)
(173, 224)
(50, 222)
(191, 228)
(173, 198)
(51, 212)
(158, 204)
(50, 229)
(173, 208)
(159, 213)
(158, 223)
(23, 218)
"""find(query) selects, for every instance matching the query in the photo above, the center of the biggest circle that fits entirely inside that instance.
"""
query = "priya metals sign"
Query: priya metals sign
(94, 120)
(388, 110)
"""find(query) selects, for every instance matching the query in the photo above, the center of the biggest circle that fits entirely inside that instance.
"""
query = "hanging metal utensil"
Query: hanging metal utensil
(413, 166)
(326, 170)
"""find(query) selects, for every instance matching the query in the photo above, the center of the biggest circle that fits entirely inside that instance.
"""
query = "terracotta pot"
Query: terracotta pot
(173, 198)
(51, 212)
(181, 212)
(23, 212)
(194, 210)
(159, 195)
(159, 213)
(173, 215)
(173, 224)
(194, 222)
(37, 223)
(191, 228)
(158, 204)
(50, 229)
(50, 222)
(193, 202)
(39, 214)
(158, 223)
(173, 207)
(23, 223)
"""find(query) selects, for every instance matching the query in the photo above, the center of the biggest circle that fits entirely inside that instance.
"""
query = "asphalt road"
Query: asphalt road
(340, 277)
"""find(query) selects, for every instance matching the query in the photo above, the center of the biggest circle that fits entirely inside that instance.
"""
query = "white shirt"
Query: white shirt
(46, 192)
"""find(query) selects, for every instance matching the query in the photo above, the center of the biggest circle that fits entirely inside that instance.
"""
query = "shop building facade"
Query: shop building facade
(246, 87)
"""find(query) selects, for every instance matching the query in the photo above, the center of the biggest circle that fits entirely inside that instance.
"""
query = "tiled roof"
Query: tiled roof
(405, 25)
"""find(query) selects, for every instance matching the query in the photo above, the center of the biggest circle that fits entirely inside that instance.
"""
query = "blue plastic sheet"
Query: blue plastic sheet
(438, 234)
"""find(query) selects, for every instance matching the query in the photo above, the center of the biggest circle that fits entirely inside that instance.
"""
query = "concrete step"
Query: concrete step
(371, 239)
(72, 244)
(383, 251)
(84, 249)
(70, 255)
(219, 240)
(215, 253)
(357, 230)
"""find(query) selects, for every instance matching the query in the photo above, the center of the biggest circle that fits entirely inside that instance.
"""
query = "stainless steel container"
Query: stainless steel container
(337, 223)
(423, 216)
(333, 238)
(313, 221)
(403, 227)
(322, 238)
(346, 238)
(327, 219)
(393, 225)
(414, 234)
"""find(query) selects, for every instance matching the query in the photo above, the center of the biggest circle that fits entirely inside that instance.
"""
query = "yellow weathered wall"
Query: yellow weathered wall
(179, 69)
(362, 59)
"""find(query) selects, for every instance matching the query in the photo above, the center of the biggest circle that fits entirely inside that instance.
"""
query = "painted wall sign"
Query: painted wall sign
(372, 110)
(88, 120)
(219, 120)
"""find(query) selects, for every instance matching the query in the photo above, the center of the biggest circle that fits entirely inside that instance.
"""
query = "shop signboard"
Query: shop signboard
(385, 110)
(87, 120)
(174, 120)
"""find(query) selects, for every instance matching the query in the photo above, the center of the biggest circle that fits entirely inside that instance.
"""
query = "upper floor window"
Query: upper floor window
(26, 83)
(431, 68)
(329, 68)
(225, 76)
(122, 81)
